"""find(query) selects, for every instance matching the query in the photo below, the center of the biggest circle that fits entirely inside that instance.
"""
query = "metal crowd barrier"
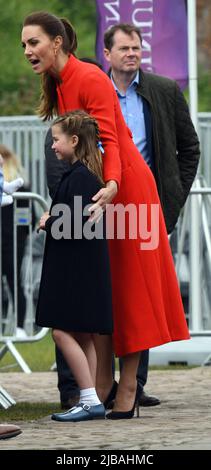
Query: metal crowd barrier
(192, 255)
(22, 217)
(196, 224)
(25, 135)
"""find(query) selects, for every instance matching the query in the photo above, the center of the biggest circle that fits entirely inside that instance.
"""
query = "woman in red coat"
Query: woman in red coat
(147, 306)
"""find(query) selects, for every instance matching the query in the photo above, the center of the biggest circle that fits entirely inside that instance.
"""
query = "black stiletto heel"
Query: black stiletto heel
(124, 414)
(137, 409)
(108, 403)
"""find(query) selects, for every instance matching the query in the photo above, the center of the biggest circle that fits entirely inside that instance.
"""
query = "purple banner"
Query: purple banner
(163, 25)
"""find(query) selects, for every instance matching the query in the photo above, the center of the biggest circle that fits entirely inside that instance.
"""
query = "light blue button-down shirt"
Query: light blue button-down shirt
(132, 110)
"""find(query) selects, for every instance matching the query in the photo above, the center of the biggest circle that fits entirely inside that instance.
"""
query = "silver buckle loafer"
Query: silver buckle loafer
(86, 413)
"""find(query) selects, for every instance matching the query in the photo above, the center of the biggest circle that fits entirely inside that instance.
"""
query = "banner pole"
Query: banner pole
(192, 62)
(195, 293)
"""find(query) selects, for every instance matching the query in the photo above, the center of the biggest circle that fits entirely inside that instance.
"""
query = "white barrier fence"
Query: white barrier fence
(193, 265)
(25, 135)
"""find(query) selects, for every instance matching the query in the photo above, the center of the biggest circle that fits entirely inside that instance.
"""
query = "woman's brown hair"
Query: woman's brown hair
(86, 128)
(52, 26)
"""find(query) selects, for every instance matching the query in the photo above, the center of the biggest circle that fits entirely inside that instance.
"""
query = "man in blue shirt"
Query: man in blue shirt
(156, 113)
(132, 106)
(171, 140)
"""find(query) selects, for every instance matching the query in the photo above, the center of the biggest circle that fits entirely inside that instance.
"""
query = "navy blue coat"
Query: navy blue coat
(75, 288)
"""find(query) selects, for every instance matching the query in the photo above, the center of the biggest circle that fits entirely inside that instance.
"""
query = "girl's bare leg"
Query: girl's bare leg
(87, 344)
(75, 357)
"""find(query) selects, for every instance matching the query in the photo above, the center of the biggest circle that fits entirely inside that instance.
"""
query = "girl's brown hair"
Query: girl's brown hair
(86, 128)
(52, 26)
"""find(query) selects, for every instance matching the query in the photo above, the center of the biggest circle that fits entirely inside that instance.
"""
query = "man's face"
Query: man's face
(125, 55)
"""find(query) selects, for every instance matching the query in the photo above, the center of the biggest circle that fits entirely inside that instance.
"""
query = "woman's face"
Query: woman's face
(40, 50)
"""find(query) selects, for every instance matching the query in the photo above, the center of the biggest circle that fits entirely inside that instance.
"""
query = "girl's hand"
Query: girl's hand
(102, 198)
(43, 219)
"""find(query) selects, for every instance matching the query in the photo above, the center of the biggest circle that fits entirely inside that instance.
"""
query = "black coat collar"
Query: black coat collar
(72, 167)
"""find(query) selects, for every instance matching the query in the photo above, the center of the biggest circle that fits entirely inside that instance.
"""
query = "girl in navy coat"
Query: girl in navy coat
(75, 289)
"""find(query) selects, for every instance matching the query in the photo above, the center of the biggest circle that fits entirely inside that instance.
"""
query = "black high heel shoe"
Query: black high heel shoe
(108, 403)
(124, 414)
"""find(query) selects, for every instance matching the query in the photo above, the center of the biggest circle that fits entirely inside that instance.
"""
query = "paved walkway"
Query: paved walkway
(182, 421)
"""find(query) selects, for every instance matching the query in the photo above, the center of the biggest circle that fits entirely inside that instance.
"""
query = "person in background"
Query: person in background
(157, 114)
(13, 172)
(158, 117)
(7, 188)
(6, 430)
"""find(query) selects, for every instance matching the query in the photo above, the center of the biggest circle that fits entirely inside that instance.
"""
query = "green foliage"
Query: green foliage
(19, 87)
(82, 15)
(204, 91)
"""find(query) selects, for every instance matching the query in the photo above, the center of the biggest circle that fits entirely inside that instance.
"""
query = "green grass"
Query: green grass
(39, 356)
(28, 411)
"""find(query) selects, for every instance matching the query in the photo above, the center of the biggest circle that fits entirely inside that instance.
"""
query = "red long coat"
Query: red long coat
(147, 306)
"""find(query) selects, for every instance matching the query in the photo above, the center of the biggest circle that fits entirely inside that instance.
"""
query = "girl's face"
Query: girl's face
(40, 49)
(63, 144)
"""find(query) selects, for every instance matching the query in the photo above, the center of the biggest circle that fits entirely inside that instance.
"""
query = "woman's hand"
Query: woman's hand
(102, 198)
(43, 219)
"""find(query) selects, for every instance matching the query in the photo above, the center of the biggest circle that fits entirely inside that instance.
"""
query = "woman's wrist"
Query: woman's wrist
(113, 186)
